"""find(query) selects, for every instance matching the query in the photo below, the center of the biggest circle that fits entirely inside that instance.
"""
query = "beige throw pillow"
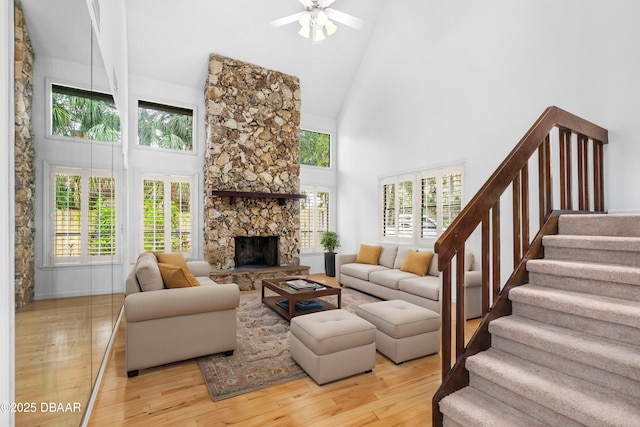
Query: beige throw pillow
(148, 273)
(417, 262)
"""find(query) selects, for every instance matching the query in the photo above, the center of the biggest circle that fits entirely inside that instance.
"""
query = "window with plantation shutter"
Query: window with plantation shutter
(418, 207)
(167, 212)
(84, 220)
(314, 217)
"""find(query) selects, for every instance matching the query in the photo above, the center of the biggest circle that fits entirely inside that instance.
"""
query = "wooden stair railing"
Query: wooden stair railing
(484, 211)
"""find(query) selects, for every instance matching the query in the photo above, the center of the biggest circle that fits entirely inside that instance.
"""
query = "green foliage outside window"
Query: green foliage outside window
(83, 114)
(163, 126)
(314, 148)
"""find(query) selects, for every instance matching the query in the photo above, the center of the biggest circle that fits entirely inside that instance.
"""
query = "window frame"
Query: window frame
(168, 179)
(316, 236)
(50, 83)
(51, 230)
(177, 106)
(415, 236)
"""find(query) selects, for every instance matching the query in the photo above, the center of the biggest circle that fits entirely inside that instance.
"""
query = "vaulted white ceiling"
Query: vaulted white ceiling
(171, 40)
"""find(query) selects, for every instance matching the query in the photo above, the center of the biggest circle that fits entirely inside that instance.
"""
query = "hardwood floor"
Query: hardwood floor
(175, 395)
(60, 344)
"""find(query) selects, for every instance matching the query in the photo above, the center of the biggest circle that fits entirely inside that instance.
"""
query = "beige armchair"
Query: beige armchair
(169, 325)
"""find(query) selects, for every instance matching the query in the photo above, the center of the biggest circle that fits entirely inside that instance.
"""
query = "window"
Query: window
(77, 113)
(167, 211)
(165, 126)
(418, 207)
(314, 217)
(84, 215)
(315, 148)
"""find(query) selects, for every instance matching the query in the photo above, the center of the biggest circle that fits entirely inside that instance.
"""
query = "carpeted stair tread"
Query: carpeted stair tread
(471, 407)
(586, 270)
(611, 250)
(600, 224)
(573, 398)
(614, 243)
(613, 310)
(612, 356)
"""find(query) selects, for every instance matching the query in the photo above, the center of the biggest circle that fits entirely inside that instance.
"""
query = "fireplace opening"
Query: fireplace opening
(256, 251)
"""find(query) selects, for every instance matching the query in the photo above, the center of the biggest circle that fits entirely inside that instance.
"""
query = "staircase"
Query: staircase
(569, 354)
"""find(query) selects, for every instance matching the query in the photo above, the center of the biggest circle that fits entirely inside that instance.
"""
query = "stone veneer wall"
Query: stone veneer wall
(253, 120)
(24, 164)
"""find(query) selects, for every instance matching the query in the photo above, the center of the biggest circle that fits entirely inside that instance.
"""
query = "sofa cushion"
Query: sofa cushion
(173, 258)
(389, 278)
(400, 257)
(425, 287)
(433, 267)
(148, 273)
(369, 254)
(360, 271)
(417, 262)
(388, 255)
(176, 277)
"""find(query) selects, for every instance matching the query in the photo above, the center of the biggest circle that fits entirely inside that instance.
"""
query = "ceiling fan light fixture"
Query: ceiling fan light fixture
(318, 34)
(322, 18)
(330, 27)
(305, 19)
(305, 31)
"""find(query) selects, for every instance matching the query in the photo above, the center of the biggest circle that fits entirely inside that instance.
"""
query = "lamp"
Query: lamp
(315, 23)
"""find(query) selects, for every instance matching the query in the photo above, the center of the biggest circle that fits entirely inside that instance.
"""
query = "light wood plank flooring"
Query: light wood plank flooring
(60, 344)
(175, 395)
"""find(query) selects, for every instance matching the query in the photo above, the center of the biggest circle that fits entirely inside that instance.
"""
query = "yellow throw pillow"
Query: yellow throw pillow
(173, 258)
(417, 262)
(176, 277)
(369, 254)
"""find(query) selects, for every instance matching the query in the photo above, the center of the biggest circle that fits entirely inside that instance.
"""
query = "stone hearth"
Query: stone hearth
(253, 117)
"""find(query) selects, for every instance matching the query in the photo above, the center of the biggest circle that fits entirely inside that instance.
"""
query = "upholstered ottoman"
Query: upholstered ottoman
(405, 331)
(333, 344)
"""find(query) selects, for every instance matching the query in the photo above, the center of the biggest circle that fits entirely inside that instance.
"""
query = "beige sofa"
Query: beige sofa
(386, 280)
(169, 325)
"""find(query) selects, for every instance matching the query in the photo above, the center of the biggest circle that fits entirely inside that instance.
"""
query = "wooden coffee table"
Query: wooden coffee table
(284, 291)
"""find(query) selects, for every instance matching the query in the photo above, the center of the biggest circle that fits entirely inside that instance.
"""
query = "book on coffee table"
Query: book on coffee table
(298, 284)
(308, 304)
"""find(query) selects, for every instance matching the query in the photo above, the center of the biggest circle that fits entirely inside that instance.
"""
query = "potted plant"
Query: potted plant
(330, 241)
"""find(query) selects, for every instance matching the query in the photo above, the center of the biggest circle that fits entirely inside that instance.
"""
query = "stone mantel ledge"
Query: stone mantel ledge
(250, 279)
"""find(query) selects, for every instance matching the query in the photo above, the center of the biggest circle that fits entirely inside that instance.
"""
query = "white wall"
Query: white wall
(459, 80)
(7, 201)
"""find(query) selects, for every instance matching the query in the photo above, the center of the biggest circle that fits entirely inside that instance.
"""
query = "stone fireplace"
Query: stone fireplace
(252, 166)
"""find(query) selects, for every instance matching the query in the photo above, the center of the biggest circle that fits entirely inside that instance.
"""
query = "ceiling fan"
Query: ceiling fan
(317, 20)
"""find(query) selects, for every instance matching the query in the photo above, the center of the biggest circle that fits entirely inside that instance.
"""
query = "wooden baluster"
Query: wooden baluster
(582, 184)
(486, 241)
(446, 320)
(525, 208)
(568, 180)
(495, 252)
(517, 230)
(598, 177)
(460, 301)
(542, 183)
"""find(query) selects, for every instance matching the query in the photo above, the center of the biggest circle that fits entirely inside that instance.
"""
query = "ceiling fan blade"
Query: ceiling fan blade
(325, 3)
(286, 20)
(308, 4)
(344, 18)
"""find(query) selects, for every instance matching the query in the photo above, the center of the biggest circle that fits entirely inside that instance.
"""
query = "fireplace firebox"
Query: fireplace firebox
(256, 251)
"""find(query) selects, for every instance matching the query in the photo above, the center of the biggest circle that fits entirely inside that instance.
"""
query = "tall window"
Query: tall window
(165, 126)
(315, 148)
(84, 215)
(167, 211)
(314, 217)
(418, 207)
(83, 114)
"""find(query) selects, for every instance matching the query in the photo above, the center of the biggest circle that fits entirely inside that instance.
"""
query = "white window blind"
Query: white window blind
(167, 212)
(314, 217)
(417, 208)
(83, 211)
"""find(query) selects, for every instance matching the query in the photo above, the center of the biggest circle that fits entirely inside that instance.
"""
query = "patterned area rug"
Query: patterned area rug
(262, 358)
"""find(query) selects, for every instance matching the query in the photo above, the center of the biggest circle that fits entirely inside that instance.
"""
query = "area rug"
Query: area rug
(262, 357)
